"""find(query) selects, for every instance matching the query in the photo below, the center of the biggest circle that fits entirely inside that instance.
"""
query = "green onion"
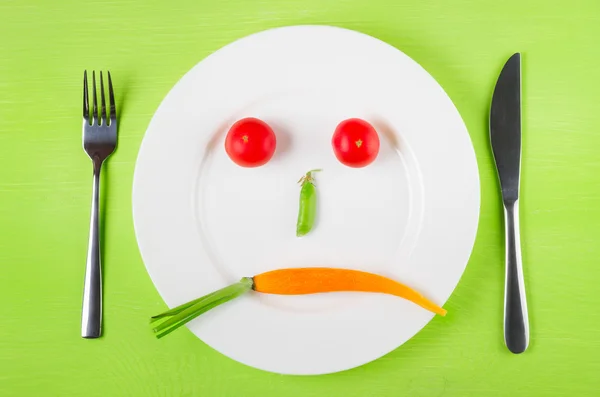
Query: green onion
(182, 314)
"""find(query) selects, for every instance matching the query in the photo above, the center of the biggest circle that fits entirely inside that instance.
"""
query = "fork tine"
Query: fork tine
(86, 104)
(102, 101)
(111, 99)
(95, 99)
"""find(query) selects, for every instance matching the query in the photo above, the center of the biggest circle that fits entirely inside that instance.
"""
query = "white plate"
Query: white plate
(202, 222)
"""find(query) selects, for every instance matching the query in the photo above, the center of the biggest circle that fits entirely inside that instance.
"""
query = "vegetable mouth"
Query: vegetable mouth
(291, 281)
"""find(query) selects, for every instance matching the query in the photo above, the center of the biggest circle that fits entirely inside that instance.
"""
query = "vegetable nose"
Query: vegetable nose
(307, 209)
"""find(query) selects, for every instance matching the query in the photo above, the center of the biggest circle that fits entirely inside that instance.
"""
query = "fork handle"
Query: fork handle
(91, 316)
(516, 323)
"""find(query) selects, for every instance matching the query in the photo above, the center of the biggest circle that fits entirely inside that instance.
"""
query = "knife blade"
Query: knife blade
(505, 138)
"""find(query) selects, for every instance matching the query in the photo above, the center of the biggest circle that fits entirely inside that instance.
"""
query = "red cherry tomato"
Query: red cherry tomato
(355, 143)
(250, 142)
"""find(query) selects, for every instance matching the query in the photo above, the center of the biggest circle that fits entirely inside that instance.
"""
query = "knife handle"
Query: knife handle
(516, 323)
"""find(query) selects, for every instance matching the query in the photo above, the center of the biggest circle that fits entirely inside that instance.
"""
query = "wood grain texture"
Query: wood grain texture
(45, 188)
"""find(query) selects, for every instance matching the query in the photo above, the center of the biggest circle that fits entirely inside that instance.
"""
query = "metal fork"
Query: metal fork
(99, 141)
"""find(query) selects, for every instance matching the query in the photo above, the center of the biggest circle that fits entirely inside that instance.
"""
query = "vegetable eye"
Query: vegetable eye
(355, 143)
(250, 142)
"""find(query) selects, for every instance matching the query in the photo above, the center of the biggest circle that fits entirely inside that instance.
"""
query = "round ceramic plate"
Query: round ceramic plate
(202, 222)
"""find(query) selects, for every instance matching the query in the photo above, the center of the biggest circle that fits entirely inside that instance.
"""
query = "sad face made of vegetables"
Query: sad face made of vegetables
(251, 143)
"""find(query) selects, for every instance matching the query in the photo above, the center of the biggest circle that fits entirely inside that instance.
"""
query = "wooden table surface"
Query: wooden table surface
(45, 189)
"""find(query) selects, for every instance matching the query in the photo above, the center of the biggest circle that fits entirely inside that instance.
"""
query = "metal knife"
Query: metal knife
(505, 137)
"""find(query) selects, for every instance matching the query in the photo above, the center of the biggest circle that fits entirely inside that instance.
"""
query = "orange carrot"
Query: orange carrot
(295, 281)
(300, 281)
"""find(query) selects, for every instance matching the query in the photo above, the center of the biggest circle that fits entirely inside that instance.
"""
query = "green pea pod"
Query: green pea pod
(308, 204)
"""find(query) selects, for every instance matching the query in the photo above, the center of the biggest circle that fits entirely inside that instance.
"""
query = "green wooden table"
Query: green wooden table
(45, 188)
